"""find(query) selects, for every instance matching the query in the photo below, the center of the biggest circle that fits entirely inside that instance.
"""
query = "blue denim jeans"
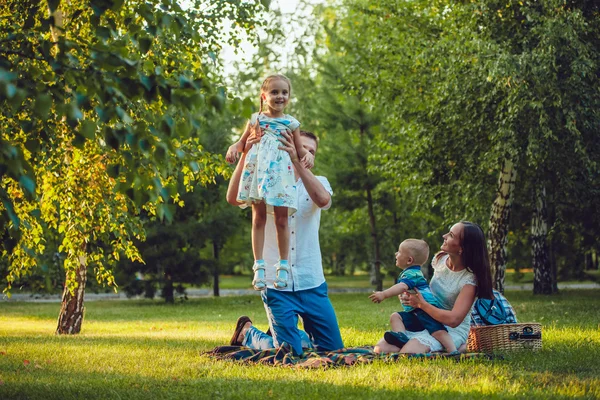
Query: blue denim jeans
(257, 339)
(318, 317)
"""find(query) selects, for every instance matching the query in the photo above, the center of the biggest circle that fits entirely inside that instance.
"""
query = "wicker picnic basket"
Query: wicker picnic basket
(505, 337)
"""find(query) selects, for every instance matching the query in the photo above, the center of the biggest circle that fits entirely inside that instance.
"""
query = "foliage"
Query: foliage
(102, 102)
(465, 85)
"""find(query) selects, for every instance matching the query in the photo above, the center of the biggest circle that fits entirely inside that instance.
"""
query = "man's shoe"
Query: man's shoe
(243, 320)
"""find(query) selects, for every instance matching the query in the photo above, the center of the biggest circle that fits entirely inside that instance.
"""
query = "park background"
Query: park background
(116, 116)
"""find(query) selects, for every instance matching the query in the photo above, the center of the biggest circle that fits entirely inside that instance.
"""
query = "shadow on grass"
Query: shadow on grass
(117, 386)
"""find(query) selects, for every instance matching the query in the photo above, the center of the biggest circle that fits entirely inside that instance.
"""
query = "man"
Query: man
(306, 295)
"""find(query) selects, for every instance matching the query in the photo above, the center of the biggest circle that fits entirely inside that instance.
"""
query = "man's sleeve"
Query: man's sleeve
(327, 187)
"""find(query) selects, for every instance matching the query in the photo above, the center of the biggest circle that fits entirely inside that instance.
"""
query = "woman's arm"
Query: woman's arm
(451, 318)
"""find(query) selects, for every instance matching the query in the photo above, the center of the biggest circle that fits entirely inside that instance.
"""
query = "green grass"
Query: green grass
(363, 281)
(146, 349)
(342, 282)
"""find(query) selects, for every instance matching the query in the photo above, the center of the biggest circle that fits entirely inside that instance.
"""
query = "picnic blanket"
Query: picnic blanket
(283, 356)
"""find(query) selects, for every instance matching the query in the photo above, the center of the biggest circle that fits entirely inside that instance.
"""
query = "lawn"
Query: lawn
(362, 280)
(146, 349)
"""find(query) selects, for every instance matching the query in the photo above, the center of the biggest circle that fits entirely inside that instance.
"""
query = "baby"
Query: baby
(411, 254)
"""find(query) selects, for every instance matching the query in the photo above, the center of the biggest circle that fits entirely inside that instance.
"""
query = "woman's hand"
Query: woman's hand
(287, 144)
(415, 300)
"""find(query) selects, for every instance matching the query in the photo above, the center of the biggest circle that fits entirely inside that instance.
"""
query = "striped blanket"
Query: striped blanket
(283, 356)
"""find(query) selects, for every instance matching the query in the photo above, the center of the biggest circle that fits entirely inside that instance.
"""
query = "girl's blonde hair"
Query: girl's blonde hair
(265, 86)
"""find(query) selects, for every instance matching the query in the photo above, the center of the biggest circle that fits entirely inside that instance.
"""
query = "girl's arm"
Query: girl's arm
(395, 290)
(451, 318)
(234, 182)
(306, 157)
(238, 147)
(317, 192)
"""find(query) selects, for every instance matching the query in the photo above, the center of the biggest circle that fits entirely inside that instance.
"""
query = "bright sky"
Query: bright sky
(247, 49)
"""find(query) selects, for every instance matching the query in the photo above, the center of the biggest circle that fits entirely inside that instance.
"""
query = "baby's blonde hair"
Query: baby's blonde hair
(265, 86)
(418, 249)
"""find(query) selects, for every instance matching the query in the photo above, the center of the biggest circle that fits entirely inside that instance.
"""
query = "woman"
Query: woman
(461, 273)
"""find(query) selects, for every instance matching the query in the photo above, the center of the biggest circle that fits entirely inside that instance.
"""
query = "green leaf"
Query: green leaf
(123, 115)
(10, 90)
(10, 210)
(78, 141)
(217, 102)
(113, 170)
(53, 5)
(167, 125)
(73, 112)
(27, 183)
(100, 6)
(160, 153)
(103, 32)
(144, 145)
(144, 45)
(33, 145)
(88, 129)
(111, 139)
(43, 103)
(247, 108)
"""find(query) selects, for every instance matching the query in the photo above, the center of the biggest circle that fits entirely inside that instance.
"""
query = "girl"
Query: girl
(268, 182)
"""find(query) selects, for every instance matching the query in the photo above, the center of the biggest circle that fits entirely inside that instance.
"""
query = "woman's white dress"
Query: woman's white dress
(445, 286)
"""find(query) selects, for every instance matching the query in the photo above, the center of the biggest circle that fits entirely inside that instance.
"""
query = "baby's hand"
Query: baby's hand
(232, 152)
(377, 297)
(308, 161)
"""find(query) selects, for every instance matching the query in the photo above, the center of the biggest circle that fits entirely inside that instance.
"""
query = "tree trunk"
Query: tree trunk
(499, 220)
(543, 278)
(216, 269)
(168, 290)
(376, 269)
(72, 309)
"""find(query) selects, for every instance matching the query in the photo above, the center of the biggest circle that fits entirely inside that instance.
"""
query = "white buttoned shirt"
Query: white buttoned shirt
(306, 267)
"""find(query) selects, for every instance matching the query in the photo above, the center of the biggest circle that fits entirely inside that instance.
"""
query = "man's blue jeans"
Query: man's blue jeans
(257, 339)
(318, 317)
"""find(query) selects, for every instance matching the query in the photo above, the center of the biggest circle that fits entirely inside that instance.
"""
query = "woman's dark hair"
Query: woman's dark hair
(475, 258)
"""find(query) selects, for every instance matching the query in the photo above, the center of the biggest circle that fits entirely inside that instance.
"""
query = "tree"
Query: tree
(102, 101)
(473, 88)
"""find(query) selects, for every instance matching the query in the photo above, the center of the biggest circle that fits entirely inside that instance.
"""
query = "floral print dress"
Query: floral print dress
(268, 174)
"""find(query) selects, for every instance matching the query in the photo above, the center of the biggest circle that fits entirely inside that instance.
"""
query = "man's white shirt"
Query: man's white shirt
(305, 252)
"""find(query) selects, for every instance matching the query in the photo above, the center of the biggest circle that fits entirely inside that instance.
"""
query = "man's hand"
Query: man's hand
(287, 144)
(377, 297)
